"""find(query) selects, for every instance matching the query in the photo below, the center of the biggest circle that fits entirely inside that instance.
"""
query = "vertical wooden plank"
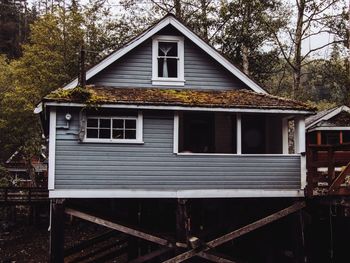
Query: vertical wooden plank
(57, 231)
(319, 137)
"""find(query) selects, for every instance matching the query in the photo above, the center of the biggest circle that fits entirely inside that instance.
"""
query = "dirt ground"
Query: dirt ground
(22, 242)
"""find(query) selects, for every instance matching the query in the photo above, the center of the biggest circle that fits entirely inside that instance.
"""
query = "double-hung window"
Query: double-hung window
(168, 60)
(116, 129)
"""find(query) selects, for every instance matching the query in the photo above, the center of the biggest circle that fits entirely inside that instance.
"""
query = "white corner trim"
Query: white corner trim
(303, 172)
(239, 133)
(179, 108)
(139, 126)
(299, 135)
(176, 133)
(285, 144)
(330, 115)
(185, 31)
(52, 149)
(205, 193)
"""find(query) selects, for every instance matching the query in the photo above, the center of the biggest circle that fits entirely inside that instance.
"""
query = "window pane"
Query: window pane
(160, 67)
(105, 133)
(105, 123)
(130, 134)
(167, 49)
(167, 68)
(92, 133)
(118, 134)
(92, 123)
(172, 67)
(130, 124)
(118, 123)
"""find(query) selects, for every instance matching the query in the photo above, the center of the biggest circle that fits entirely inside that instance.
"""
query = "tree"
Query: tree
(15, 18)
(49, 60)
(243, 34)
(311, 17)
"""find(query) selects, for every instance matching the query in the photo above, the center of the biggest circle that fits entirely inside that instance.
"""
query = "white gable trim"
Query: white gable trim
(185, 31)
(330, 115)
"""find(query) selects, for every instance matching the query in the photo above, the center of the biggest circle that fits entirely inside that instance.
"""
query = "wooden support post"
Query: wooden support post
(237, 233)
(319, 137)
(57, 231)
(183, 221)
(341, 137)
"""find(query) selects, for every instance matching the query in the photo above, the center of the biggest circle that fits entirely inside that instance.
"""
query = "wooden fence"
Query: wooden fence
(328, 170)
(22, 195)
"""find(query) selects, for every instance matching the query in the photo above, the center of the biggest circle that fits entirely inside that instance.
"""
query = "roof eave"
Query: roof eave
(162, 106)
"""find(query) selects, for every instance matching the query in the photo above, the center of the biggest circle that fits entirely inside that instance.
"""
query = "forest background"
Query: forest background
(275, 42)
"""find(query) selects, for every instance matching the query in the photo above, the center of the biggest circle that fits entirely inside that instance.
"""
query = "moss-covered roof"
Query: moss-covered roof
(175, 97)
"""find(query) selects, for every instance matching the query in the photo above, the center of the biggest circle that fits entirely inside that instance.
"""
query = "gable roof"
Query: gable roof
(184, 98)
(324, 115)
(169, 19)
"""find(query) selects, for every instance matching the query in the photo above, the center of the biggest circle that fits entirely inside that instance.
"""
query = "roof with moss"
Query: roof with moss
(175, 97)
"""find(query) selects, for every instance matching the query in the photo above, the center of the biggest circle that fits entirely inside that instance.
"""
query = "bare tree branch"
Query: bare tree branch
(318, 48)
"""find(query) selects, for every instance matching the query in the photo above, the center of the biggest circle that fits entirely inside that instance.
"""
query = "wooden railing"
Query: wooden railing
(22, 195)
(328, 169)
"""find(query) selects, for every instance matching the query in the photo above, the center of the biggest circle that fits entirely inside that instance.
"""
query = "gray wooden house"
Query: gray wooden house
(168, 116)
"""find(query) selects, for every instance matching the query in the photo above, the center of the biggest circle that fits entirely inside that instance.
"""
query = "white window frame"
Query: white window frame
(139, 129)
(161, 81)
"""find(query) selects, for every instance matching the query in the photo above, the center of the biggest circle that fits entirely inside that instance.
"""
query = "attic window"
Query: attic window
(168, 60)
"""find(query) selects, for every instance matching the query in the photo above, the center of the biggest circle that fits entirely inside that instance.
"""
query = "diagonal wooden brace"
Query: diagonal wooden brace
(237, 233)
(119, 227)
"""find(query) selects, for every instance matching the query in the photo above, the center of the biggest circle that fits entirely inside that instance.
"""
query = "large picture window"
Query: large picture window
(114, 129)
(168, 60)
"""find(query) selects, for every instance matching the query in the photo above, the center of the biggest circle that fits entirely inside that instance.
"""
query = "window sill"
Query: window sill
(112, 141)
(168, 82)
(236, 154)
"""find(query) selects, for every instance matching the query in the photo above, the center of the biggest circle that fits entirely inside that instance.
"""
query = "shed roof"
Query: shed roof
(176, 97)
(321, 118)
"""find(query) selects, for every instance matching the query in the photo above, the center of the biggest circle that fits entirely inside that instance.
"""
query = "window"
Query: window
(168, 60)
(114, 129)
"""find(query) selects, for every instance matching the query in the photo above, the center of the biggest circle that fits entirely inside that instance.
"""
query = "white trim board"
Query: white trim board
(209, 193)
(330, 129)
(180, 108)
(52, 149)
(330, 115)
(170, 20)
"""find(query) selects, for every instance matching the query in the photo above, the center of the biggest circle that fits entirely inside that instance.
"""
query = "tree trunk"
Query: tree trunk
(204, 19)
(177, 5)
(296, 93)
(245, 60)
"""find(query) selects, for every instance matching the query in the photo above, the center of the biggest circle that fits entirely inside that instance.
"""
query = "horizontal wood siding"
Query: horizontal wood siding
(135, 70)
(152, 165)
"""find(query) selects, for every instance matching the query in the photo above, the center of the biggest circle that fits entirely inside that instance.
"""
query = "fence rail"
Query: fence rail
(22, 195)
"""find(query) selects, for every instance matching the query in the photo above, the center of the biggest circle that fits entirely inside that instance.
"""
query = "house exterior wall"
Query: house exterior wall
(153, 165)
(135, 70)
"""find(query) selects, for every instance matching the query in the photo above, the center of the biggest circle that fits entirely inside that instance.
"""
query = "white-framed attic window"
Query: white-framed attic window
(168, 60)
(114, 129)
